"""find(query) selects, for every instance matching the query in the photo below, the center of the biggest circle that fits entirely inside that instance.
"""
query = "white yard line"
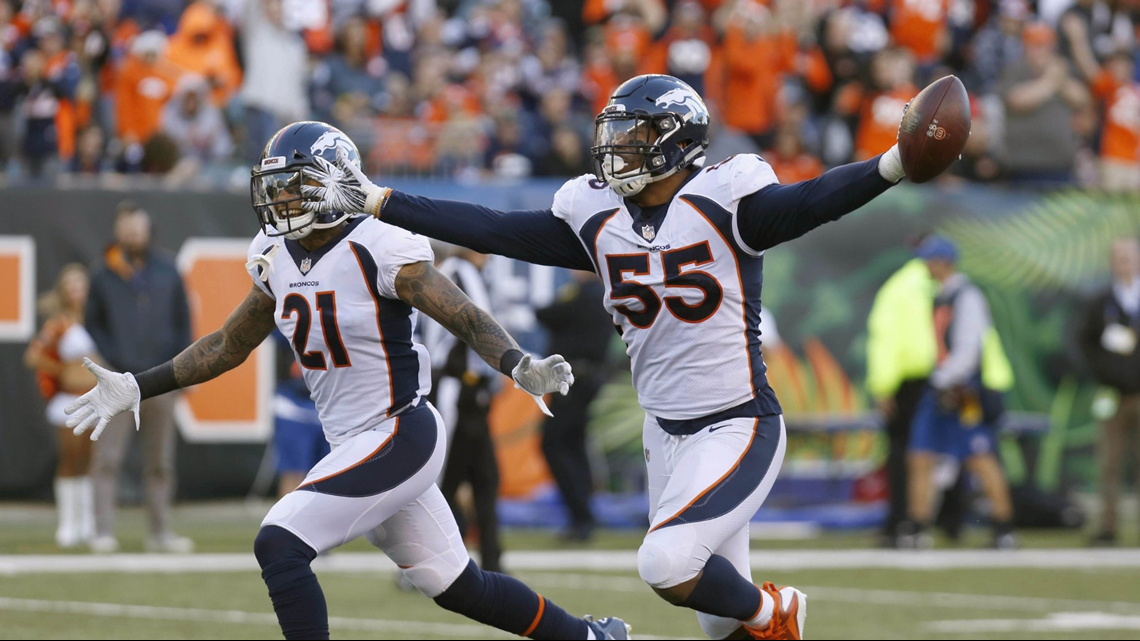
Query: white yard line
(1056, 622)
(599, 561)
(907, 598)
(535, 567)
(198, 615)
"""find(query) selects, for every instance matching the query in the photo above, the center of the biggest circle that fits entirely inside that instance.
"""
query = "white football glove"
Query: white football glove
(537, 378)
(890, 163)
(343, 187)
(113, 393)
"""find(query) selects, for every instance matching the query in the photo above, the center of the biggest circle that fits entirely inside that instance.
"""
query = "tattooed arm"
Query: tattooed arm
(216, 353)
(207, 358)
(423, 287)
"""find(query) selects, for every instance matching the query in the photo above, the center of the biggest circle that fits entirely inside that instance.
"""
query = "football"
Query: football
(934, 129)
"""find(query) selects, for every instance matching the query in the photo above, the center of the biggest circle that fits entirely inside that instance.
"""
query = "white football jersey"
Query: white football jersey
(683, 288)
(350, 333)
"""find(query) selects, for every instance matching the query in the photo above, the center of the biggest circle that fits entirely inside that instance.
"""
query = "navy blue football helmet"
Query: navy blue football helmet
(275, 185)
(652, 127)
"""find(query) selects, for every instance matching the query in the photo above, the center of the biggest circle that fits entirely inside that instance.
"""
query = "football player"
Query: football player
(345, 290)
(680, 247)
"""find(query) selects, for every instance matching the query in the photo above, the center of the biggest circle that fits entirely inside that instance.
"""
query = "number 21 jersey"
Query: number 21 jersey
(351, 335)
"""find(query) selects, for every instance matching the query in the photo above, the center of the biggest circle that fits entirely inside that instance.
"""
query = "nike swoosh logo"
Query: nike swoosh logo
(713, 429)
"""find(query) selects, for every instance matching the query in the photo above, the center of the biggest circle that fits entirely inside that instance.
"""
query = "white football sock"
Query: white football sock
(66, 496)
(85, 509)
(767, 606)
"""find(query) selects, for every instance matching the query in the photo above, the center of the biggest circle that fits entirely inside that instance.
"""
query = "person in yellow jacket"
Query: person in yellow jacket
(901, 354)
(957, 413)
(902, 351)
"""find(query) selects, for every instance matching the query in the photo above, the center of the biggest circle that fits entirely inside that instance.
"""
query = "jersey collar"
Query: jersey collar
(300, 254)
(647, 222)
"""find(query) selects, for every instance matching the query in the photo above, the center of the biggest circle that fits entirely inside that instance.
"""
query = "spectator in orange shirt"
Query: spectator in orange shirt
(143, 86)
(598, 76)
(789, 160)
(920, 27)
(111, 39)
(63, 75)
(893, 75)
(757, 53)
(688, 49)
(1116, 87)
(204, 44)
(627, 33)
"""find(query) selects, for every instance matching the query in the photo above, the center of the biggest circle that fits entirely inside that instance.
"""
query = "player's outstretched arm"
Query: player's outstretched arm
(207, 358)
(219, 352)
(535, 236)
(422, 286)
(779, 213)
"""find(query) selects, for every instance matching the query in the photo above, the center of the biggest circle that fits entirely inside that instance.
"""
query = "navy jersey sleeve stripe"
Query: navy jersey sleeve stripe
(394, 322)
(534, 236)
(779, 213)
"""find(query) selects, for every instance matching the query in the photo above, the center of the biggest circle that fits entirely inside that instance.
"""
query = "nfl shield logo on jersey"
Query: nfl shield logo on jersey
(306, 265)
(649, 232)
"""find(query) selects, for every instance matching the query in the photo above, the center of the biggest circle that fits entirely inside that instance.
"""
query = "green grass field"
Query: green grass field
(1032, 601)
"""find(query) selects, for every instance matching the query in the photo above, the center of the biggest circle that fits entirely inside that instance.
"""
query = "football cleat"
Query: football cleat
(609, 627)
(788, 615)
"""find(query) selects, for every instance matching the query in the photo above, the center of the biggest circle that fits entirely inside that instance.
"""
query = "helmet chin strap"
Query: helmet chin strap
(629, 187)
(624, 187)
(307, 223)
(306, 229)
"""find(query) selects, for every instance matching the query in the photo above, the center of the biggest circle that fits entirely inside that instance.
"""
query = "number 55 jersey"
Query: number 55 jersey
(350, 333)
(683, 289)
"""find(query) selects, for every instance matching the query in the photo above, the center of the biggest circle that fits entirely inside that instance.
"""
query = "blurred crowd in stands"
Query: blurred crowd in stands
(469, 89)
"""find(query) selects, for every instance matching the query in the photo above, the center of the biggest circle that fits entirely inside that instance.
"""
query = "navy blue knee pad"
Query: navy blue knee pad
(297, 597)
(275, 546)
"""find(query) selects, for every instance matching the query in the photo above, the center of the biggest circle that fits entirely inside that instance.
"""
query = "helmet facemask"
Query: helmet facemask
(279, 204)
(280, 179)
(628, 152)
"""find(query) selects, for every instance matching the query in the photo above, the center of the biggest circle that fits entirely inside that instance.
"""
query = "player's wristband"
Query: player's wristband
(890, 165)
(377, 198)
(156, 381)
(509, 361)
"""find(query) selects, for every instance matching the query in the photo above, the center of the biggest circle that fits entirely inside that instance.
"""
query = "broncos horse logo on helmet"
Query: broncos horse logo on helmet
(652, 127)
(277, 179)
